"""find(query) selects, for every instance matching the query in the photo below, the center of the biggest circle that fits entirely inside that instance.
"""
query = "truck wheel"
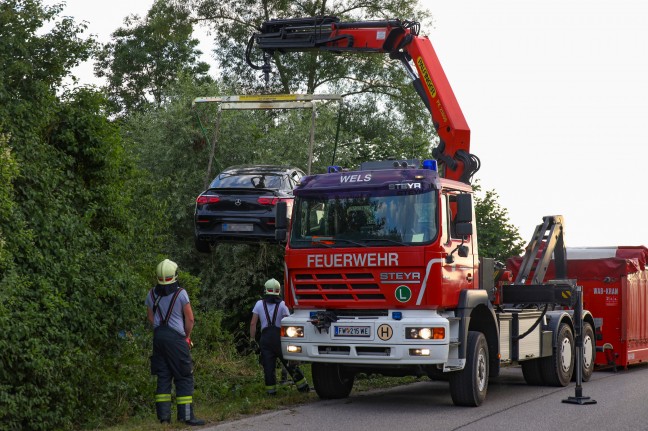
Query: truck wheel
(202, 246)
(532, 373)
(434, 373)
(332, 381)
(468, 387)
(589, 352)
(557, 369)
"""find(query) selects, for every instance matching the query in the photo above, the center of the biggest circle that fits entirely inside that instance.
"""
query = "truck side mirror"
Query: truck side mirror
(463, 229)
(464, 209)
(281, 221)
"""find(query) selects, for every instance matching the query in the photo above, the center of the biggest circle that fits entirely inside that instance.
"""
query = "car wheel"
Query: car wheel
(202, 246)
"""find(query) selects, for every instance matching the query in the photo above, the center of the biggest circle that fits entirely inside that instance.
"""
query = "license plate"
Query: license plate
(352, 331)
(237, 227)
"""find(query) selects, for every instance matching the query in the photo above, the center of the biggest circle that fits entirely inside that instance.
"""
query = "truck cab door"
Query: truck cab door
(459, 239)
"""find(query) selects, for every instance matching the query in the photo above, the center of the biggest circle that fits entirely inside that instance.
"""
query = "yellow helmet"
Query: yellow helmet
(272, 287)
(167, 272)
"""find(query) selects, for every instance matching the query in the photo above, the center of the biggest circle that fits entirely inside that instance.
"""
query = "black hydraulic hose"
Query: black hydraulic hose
(535, 325)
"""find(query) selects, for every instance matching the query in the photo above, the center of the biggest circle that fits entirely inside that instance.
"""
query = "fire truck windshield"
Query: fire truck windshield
(341, 220)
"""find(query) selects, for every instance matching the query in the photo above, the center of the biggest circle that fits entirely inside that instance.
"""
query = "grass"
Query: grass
(235, 389)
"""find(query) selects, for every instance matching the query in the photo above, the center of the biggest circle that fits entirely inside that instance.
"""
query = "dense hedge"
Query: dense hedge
(79, 236)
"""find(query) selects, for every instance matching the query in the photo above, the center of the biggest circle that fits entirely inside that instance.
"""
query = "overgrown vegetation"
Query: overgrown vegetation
(98, 185)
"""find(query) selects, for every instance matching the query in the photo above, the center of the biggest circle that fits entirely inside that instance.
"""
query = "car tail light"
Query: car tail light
(207, 199)
(273, 201)
(267, 201)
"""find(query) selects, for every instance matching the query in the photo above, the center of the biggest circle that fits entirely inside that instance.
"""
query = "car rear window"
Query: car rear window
(258, 181)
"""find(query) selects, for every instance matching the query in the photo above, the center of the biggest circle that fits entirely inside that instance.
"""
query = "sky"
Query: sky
(556, 96)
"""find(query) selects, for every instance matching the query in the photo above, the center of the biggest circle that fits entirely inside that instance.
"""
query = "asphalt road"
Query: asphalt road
(621, 404)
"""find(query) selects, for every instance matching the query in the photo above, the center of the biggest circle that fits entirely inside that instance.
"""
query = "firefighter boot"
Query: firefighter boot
(163, 407)
(300, 380)
(186, 413)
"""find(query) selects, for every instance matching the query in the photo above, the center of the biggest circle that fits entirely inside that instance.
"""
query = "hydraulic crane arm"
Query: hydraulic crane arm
(399, 39)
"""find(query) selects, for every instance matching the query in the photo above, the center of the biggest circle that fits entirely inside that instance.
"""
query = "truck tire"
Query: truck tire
(558, 368)
(434, 373)
(332, 381)
(532, 372)
(202, 246)
(589, 352)
(468, 387)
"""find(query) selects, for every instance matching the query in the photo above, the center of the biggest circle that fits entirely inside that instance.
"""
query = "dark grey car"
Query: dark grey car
(240, 204)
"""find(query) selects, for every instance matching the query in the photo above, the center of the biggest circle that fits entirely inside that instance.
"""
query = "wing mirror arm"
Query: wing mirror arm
(463, 230)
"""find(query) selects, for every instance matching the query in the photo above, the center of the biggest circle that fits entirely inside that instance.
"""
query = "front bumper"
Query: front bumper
(385, 344)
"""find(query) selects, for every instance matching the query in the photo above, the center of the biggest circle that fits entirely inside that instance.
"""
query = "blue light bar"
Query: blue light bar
(336, 168)
(397, 315)
(430, 164)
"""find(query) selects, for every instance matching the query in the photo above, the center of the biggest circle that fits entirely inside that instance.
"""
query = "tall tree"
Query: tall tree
(148, 55)
(378, 93)
(498, 237)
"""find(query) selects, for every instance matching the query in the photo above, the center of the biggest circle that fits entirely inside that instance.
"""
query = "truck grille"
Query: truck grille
(350, 289)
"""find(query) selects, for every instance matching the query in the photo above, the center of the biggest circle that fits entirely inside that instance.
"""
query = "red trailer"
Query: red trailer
(615, 291)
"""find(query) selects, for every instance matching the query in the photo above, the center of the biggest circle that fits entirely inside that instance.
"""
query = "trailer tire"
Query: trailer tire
(331, 381)
(532, 372)
(589, 352)
(468, 387)
(558, 368)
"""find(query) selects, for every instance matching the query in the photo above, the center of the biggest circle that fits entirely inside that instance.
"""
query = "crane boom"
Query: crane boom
(399, 39)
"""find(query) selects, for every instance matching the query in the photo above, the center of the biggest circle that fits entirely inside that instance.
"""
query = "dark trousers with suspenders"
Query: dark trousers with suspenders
(171, 362)
(270, 344)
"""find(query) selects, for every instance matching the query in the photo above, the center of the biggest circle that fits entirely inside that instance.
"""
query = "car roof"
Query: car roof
(249, 169)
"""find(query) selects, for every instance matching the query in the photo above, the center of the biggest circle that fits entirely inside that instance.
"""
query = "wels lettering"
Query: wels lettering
(356, 178)
(400, 277)
(351, 260)
(404, 186)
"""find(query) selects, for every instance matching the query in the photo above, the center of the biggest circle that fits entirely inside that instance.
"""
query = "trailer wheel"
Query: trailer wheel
(332, 381)
(468, 387)
(589, 352)
(557, 369)
(532, 372)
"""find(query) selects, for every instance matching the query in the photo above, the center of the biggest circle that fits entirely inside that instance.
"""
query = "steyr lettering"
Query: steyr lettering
(404, 186)
(400, 276)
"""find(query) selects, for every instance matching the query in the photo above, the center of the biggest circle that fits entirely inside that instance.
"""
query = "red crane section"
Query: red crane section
(399, 39)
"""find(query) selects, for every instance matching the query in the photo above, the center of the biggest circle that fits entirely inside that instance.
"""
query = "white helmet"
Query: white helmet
(167, 272)
(272, 287)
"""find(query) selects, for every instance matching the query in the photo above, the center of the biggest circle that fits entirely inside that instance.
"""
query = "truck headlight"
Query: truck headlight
(292, 331)
(426, 333)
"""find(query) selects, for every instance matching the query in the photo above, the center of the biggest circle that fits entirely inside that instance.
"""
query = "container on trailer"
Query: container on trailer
(615, 291)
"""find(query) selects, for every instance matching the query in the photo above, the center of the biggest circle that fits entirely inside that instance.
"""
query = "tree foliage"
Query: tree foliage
(382, 116)
(497, 236)
(147, 56)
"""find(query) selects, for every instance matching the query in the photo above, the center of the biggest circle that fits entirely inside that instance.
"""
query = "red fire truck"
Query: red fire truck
(382, 267)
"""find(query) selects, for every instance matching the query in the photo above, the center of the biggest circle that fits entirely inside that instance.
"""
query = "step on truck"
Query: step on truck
(381, 265)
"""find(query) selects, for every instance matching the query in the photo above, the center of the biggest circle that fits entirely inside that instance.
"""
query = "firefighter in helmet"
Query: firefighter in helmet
(170, 313)
(269, 311)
